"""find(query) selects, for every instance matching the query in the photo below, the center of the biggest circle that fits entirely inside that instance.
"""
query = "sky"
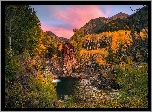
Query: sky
(62, 19)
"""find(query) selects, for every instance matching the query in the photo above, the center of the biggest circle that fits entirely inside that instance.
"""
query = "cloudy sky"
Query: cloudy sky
(62, 19)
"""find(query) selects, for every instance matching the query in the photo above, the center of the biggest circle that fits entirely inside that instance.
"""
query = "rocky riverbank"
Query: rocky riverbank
(86, 95)
(98, 76)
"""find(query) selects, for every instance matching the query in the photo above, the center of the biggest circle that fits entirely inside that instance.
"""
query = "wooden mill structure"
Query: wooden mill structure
(68, 55)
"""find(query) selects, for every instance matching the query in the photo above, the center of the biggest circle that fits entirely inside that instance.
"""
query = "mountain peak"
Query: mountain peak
(120, 15)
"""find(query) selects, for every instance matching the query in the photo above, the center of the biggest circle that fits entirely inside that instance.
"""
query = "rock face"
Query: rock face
(54, 67)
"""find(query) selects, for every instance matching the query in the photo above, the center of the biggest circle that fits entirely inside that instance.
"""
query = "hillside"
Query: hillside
(96, 24)
(136, 21)
(115, 50)
(53, 36)
(120, 21)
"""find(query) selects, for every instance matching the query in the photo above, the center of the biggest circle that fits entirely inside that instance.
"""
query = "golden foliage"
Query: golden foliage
(144, 33)
(60, 47)
(54, 56)
(44, 80)
(118, 37)
(87, 37)
(121, 37)
(100, 55)
(100, 60)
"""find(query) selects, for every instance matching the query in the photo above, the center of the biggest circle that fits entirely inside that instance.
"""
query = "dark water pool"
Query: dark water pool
(66, 86)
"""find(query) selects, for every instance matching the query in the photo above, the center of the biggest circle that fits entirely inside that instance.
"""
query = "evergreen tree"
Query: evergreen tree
(22, 28)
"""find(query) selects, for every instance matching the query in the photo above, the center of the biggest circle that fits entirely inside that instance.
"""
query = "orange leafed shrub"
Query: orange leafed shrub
(118, 37)
(60, 47)
(100, 60)
(100, 55)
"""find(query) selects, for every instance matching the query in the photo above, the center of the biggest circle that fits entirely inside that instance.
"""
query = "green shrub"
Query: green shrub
(43, 91)
(12, 65)
(134, 80)
(70, 103)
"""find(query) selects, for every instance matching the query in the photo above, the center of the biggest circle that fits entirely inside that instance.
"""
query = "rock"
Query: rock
(66, 97)
(85, 82)
(115, 94)
(74, 74)
(47, 62)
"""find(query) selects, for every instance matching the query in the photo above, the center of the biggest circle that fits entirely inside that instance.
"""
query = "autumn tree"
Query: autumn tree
(76, 41)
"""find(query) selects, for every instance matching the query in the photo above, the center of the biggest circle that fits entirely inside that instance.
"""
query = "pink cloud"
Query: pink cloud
(77, 15)
(73, 16)
(61, 32)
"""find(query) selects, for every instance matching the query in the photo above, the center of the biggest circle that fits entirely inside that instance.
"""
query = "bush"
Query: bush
(11, 65)
(42, 91)
(134, 79)
(27, 89)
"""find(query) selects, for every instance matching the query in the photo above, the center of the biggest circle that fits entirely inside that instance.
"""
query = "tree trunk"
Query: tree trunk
(10, 39)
